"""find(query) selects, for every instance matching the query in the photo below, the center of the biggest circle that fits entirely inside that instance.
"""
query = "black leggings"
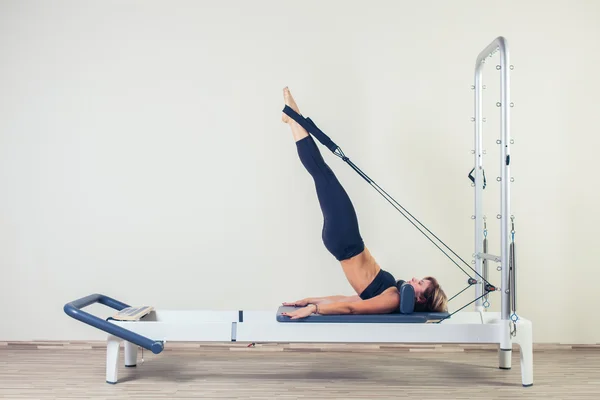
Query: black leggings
(340, 233)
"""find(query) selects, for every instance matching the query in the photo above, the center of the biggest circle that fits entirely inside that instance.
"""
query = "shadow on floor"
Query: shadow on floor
(402, 370)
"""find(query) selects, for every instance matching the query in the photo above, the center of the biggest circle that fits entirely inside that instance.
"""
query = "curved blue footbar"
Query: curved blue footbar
(74, 310)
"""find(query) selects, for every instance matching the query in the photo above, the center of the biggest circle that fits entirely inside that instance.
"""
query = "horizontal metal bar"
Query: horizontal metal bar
(486, 256)
(74, 310)
(98, 298)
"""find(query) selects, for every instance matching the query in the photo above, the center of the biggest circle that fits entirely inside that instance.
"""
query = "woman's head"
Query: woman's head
(429, 295)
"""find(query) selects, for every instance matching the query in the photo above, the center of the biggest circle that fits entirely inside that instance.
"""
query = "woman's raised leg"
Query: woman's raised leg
(340, 234)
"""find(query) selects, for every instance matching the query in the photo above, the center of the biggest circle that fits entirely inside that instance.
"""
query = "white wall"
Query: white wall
(142, 153)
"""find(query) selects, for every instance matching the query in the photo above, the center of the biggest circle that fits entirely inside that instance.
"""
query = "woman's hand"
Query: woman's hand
(299, 303)
(301, 312)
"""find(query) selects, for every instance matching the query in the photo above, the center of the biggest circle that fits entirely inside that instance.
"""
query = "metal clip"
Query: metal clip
(513, 321)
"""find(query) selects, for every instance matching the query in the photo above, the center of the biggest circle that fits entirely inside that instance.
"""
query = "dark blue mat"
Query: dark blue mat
(395, 318)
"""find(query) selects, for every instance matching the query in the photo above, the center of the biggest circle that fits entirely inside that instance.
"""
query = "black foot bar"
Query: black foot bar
(74, 310)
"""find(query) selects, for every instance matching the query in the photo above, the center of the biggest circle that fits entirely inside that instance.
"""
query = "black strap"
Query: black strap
(456, 295)
(463, 307)
(312, 128)
(472, 178)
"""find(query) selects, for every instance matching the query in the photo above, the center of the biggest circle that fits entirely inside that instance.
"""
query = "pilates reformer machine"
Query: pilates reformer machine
(157, 327)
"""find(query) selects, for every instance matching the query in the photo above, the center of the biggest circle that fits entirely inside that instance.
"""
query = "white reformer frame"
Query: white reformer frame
(464, 327)
(262, 327)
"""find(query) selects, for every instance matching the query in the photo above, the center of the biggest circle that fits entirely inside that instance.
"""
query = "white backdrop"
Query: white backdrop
(142, 153)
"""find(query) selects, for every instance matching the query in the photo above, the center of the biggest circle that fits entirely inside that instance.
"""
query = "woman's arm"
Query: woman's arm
(323, 300)
(335, 299)
(382, 304)
(386, 302)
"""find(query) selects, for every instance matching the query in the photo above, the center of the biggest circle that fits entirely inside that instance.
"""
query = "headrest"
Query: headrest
(407, 297)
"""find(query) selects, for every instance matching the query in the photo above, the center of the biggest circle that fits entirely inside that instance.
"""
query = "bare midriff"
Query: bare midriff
(360, 270)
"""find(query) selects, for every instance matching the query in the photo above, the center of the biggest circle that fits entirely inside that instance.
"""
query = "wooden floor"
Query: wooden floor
(288, 371)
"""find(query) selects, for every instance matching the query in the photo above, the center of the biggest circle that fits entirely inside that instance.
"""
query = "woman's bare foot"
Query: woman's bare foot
(298, 131)
(289, 101)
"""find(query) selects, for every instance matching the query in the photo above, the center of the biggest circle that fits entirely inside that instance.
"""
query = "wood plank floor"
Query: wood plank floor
(286, 371)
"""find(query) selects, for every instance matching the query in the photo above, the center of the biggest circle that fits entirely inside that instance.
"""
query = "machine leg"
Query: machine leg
(505, 358)
(505, 350)
(112, 359)
(524, 338)
(131, 351)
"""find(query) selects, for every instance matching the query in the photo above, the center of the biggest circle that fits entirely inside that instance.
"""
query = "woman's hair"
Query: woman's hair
(435, 298)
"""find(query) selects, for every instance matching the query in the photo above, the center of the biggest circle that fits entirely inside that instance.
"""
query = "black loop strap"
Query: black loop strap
(310, 126)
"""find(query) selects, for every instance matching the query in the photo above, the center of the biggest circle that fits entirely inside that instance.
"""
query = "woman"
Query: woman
(376, 289)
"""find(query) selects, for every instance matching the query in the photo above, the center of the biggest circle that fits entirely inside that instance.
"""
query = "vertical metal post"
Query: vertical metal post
(478, 184)
(499, 44)
(505, 177)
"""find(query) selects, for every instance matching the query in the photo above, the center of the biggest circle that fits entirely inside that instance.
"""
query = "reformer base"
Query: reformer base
(263, 327)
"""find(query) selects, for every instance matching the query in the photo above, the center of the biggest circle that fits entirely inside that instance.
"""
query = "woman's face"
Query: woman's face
(420, 285)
